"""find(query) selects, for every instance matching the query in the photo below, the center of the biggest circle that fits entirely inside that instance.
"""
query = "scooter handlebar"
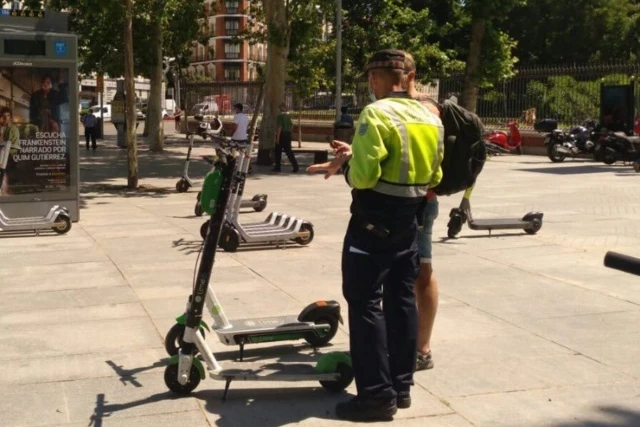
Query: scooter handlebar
(622, 262)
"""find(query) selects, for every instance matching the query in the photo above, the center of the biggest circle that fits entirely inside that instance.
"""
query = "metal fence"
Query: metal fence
(569, 94)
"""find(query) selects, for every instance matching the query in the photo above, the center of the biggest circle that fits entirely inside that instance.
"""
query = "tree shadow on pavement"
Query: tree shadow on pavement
(617, 417)
(569, 170)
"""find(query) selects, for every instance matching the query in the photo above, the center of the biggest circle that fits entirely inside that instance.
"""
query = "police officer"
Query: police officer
(394, 158)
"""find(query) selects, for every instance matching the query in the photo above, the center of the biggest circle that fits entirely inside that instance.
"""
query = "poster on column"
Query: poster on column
(35, 122)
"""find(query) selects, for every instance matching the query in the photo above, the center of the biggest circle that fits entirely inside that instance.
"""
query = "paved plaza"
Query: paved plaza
(531, 330)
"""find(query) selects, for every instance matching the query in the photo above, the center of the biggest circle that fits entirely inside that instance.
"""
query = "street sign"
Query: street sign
(100, 83)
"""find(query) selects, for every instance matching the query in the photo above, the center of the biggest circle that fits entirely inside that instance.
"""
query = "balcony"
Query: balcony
(232, 31)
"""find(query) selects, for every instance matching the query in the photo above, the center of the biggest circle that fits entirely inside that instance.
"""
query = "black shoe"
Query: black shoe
(358, 409)
(296, 169)
(404, 400)
(276, 170)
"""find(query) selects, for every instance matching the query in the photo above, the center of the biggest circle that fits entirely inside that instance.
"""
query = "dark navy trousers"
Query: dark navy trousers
(378, 279)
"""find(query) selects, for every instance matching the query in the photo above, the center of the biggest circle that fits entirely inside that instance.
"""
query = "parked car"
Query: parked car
(106, 112)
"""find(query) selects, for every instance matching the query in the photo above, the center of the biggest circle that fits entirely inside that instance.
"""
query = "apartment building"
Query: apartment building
(225, 57)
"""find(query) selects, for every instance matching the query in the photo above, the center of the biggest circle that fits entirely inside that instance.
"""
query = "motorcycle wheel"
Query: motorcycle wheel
(609, 158)
(553, 154)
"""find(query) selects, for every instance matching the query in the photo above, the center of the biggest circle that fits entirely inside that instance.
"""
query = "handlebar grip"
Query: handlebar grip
(622, 262)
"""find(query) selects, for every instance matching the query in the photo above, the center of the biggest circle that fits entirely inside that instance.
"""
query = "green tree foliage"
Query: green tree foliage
(551, 32)
(568, 99)
(378, 24)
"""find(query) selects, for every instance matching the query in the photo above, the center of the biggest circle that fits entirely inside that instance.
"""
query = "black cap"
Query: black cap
(239, 106)
(391, 59)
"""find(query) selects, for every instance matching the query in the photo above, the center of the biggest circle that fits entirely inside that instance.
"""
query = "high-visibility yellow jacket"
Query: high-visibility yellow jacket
(397, 149)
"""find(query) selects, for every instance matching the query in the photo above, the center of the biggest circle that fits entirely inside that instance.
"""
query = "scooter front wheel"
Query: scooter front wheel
(62, 224)
(454, 227)
(182, 186)
(203, 229)
(198, 209)
(172, 383)
(345, 378)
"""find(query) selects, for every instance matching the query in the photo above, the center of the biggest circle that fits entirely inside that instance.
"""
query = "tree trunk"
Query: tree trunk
(256, 113)
(277, 52)
(129, 76)
(154, 106)
(470, 89)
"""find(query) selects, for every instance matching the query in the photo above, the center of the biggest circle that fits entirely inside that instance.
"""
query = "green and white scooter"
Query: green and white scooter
(317, 323)
(185, 371)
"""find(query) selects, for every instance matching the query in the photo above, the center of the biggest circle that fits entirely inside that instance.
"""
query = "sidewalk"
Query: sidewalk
(531, 330)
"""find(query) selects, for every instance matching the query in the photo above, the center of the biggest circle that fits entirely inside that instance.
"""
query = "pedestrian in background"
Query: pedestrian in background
(89, 121)
(284, 126)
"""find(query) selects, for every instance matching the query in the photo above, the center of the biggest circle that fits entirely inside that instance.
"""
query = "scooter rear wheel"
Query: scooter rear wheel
(172, 383)
(322, 340)
(536, 226)
(305, 228)
(229, 239)
(62, 224)
(346, 377)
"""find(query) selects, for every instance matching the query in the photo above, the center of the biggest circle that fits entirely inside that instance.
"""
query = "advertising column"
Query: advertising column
(36, 119)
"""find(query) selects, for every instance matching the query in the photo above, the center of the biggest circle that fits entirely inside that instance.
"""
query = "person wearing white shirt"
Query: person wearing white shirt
(241, 122)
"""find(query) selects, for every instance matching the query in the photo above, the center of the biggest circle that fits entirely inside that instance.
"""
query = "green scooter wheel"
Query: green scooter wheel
(345, 378)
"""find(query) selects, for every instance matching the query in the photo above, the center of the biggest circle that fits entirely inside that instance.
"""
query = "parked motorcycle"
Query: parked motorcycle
(500, 142)
(560, 144)
(618, 146)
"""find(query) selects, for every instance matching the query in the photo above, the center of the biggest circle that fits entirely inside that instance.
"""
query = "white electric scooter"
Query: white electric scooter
(58, 218)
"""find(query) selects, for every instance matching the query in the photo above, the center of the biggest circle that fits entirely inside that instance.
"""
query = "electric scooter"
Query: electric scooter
(276, 228)
(531, 223)
(185, 371)
(204, 130)
(57, 219)
(258, 203)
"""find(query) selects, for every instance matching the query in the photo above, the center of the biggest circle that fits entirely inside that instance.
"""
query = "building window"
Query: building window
(232, 6)
(232, 51)
(232, 27)
(232, 72)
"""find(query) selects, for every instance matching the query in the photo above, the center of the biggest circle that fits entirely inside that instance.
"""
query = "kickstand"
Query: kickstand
(241, 350)
(226, 389)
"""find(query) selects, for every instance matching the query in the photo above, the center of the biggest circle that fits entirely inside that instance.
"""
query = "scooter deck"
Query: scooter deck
(297, 372)
(499, 224)
(278, 324)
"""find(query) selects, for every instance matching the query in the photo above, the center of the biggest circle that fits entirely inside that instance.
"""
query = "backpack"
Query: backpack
(89, 120)
(464, 149)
